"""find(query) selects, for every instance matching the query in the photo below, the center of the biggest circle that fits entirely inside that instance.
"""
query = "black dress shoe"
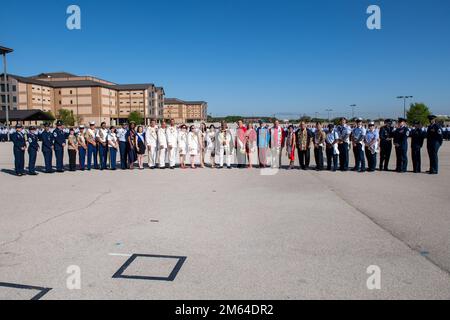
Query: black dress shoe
(32, 174)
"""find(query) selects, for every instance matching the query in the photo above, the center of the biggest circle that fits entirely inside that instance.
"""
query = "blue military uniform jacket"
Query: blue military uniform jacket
(385, 133)
(33, 144)
(60, 139)
(435, 134)
(47, 141)
(18, 140)
(401, 137)
(417, 138)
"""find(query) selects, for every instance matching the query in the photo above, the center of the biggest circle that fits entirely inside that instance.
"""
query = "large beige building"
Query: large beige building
(185, 111)
(90, 98)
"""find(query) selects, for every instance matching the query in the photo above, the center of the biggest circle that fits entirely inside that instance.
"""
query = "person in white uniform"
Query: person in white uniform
(162, 145)
(182, 145)
(151, 140)
(224, 145)
(211, 145)
(172, 140)
(193, 144)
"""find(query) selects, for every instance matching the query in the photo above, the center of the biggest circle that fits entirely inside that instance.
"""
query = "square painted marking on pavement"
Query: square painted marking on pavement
(15, 291)
(150, 267)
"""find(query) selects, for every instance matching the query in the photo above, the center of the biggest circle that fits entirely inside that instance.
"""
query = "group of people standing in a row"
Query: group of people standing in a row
(265, 145)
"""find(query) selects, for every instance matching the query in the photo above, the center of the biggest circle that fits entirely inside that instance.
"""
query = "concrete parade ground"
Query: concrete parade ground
(224, 234)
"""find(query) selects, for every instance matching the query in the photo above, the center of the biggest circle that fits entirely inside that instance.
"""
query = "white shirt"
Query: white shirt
(172, 134)
(162, 138)
(151, 136)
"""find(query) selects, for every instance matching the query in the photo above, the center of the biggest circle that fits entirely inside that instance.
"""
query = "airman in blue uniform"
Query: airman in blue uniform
(434, 142)
(19, 147)
(401, 135)
(47, 147)
(33, 148)
(417, 137)
(60, 143)
(386, 134)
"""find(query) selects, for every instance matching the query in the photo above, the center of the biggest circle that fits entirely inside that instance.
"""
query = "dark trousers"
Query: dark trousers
(371, 159)
(103, 153)
(343, 156)
(82, 157)
(304, 158)
(19, 161)
(92, 153)
(48, 159)
(332, 159)
(385, 154)
(32, 155)
(123, 155)
(402, 158)
(433, 150)
(72, 160)
(318, 157)
(59, 155)
(360, 162)
(113, 158)
(416, 159)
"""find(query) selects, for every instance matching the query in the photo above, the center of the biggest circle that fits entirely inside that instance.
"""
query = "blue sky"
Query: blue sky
(249, 57)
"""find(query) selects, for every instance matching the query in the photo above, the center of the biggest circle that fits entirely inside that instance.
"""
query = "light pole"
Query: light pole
(404, 103)
(4, 51)
(329, 112)
(353, 106)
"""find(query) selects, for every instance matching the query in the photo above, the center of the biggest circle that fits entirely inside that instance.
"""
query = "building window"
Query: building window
(71, 101)
(71, 93)
(14, 88)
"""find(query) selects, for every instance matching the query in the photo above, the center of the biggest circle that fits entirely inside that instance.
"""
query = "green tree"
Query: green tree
(418, 112)
(136, 117)
(67, 117)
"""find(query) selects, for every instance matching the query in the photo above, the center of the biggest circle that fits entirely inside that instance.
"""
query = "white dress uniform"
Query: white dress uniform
(224, 146)
(193, 143)
(182, 142)
(162, 147)
(151, 140)
(172, 140)
(211, 144)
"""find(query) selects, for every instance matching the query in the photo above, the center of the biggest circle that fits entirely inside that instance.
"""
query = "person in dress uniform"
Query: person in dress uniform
(182, 145)
(401, 135)
(434, 142)
(151, 139)
(59, 145)
(72, 149)
(224, 145)
(371, 146)
(19, 147)
(102, 143)
(193, 143)
(358, 136)
(386, 135)
(162, 145)
(332, 150)
(172, 139)
(202, 141)
(33, 149)
(211, 145)
(113, 145)
(47, 147)
(82, 147)
(123, 146)
(92, 146)
(343, 131)
(418, 136)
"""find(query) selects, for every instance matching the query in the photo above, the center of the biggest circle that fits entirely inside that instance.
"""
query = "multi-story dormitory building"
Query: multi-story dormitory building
(90, 98)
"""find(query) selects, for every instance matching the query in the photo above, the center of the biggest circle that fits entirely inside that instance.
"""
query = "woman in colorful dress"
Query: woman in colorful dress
(182, 145)
(291, 146)
(251, 145)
